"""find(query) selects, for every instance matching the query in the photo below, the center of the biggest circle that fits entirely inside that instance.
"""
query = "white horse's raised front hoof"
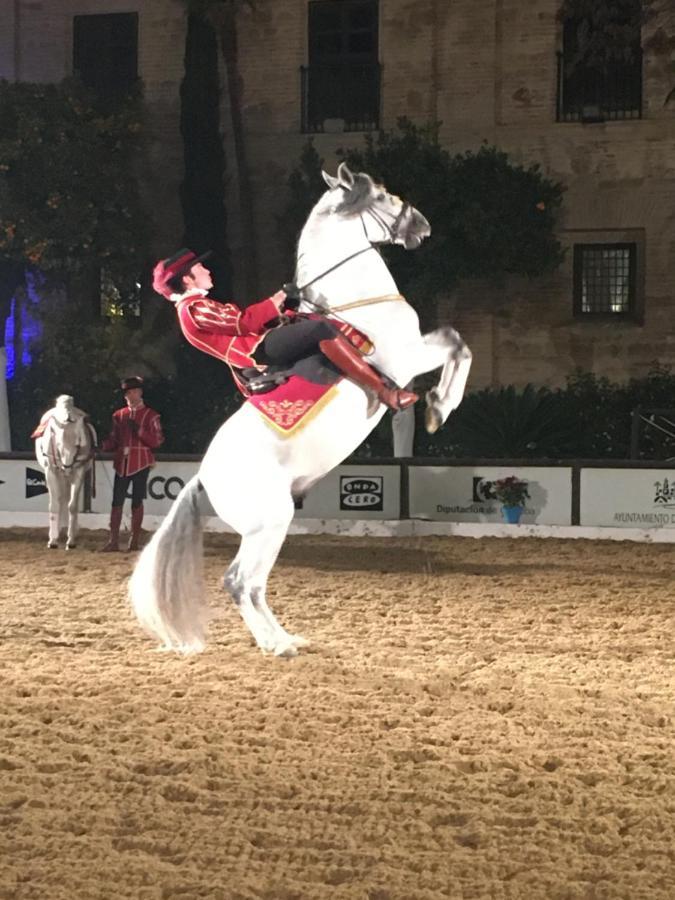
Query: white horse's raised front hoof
(432, 416)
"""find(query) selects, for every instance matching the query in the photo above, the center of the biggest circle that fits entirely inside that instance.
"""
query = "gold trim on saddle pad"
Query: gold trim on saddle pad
(287, 417)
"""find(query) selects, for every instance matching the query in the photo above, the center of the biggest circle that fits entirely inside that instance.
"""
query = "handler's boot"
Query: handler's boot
(114, 538)
(351, 363)
(136, 522)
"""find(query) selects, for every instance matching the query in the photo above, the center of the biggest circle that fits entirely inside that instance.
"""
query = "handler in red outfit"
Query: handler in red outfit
(136, 432)
(253, 337)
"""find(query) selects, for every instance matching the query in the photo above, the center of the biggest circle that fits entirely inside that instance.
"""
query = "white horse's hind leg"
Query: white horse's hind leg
(246, 581)
(256, 624)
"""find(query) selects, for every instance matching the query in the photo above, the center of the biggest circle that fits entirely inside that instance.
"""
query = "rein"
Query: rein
(337, 265)
(333, 310)
(390, 230)
(368, 301)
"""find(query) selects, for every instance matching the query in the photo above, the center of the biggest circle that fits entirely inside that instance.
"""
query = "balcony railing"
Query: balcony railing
(340, 97)
(594, 95)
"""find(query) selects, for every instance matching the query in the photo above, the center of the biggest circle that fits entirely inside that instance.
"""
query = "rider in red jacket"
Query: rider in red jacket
(253, 337)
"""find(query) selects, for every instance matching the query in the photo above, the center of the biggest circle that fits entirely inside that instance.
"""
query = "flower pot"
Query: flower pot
(512, 514)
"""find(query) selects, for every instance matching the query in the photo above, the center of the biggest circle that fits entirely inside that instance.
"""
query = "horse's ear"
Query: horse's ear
(330, 181)
(345, 177)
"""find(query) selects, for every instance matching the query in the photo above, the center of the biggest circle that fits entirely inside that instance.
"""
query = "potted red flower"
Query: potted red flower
(512, 493)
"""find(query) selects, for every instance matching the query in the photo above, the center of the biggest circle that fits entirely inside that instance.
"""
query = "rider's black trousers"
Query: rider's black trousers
(286, 345)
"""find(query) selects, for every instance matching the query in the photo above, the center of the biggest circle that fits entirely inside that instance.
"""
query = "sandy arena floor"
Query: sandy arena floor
(486, 719)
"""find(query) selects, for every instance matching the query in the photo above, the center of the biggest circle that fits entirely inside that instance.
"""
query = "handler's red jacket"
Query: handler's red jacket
(133, 451)
(224, 330)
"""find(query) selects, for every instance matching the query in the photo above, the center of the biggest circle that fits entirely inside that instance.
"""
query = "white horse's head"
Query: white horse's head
(386, 219)
(64, 406)
(66, 438)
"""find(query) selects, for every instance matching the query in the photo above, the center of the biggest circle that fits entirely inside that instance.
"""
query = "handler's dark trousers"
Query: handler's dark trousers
(139, 483)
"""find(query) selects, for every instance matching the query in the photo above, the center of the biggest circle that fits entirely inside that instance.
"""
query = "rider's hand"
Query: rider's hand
(279, 299)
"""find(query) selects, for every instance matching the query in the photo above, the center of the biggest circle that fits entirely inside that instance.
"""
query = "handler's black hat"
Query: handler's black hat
(133, 381)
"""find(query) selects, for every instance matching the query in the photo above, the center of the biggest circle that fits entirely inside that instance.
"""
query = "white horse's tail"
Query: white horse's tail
(166, 588)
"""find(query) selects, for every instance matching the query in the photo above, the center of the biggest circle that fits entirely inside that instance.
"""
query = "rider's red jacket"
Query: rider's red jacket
(224, 330)
(133, 446)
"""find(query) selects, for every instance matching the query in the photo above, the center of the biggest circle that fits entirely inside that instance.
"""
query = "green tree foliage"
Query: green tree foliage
(489, 217)
(68, 192)
(588, 419)
(512, 423)
(305, 186)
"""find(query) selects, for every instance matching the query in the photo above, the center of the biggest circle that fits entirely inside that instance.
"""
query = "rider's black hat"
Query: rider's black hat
(167, 270)
(181, 263)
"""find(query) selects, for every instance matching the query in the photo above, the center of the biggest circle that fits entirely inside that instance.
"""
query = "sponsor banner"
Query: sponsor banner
(22, 486)
(350, 492)
(466, 493)
(164, 484)
(355, 492)
(628, 498)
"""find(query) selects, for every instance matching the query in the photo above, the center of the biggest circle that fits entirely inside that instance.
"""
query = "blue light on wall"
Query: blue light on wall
(30, 327)
(9, 342)
(22, 329)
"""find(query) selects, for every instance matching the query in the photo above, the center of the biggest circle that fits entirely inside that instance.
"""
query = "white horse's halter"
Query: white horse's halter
(52, 453)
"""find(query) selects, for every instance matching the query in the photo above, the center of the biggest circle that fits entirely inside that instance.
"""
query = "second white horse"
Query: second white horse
(64, 448)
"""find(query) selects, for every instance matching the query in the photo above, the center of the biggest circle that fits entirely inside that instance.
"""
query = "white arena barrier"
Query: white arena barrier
(612, 501)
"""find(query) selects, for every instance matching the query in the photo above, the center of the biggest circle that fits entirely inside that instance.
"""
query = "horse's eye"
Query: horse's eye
(380, 196)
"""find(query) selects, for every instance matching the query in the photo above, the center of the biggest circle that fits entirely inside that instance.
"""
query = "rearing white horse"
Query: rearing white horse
(250, 473)
(64, 448)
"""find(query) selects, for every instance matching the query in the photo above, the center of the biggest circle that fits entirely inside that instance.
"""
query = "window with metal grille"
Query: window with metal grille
(341, 83)
(605, 279)
(105, 52)
(597, 90)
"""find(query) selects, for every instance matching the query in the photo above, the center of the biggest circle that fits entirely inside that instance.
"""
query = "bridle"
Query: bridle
(52, 454)
(390, 230)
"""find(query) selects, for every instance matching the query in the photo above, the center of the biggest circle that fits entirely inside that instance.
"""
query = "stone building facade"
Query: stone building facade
(489, 72)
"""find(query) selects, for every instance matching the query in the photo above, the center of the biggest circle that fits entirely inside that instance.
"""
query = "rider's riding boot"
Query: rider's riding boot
(114, 538)
(136, 522)
(351, 363)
